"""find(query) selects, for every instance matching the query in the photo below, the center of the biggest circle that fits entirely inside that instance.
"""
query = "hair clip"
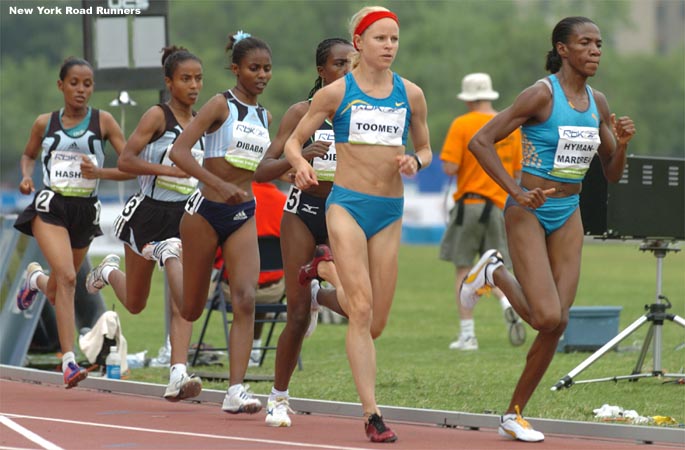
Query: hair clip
(240, 35)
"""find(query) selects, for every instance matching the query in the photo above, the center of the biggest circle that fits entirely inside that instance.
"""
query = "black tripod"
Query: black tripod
(656, 314)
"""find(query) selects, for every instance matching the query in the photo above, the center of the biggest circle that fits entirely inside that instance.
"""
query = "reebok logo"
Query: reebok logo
(240, 216)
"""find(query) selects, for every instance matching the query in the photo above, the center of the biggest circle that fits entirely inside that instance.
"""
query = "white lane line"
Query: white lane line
(28, 434)
(2, 447)
(185, 433)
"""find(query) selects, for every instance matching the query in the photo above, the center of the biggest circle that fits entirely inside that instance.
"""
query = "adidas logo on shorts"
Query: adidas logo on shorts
(240, 216)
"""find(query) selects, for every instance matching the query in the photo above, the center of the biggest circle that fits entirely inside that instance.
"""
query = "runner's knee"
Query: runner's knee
(546, 320)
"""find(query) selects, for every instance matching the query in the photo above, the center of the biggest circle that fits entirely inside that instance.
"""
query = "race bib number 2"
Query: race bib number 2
(43, 199)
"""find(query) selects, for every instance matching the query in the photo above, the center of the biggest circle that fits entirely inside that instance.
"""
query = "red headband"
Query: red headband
(370, 18)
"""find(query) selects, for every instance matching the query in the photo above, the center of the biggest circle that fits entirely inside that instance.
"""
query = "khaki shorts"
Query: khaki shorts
(463, 244)
(264, 296)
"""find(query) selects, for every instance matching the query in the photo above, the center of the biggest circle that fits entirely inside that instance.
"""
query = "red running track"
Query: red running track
(50, 417)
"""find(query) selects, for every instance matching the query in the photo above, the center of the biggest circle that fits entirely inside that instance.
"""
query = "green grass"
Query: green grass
(416, 369)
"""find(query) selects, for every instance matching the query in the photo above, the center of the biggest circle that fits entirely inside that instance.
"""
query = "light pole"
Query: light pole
(122, 101)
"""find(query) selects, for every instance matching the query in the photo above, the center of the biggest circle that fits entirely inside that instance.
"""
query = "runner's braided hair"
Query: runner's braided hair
(323, 50)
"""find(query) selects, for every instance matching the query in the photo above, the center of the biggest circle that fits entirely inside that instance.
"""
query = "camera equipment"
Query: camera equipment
(647, 203)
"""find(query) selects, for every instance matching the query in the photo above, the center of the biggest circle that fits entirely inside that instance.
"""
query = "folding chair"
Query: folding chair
(270, 260)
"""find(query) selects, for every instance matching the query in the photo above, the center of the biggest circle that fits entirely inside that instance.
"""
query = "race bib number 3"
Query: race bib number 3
(129, 208)
(66, 177)
(575, 150)
(181, 185)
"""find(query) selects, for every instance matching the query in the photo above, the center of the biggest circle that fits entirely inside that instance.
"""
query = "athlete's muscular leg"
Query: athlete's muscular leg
(241, 256)
(60, 288)
(297, 246)
(199, 250)
(349, 244)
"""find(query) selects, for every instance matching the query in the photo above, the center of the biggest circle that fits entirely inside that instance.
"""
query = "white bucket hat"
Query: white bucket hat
(477, 86)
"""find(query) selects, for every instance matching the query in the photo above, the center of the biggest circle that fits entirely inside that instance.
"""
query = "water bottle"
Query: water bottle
(113, 363)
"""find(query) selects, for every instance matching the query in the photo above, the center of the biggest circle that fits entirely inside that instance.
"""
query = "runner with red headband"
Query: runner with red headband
(369, 19)
(372, 110)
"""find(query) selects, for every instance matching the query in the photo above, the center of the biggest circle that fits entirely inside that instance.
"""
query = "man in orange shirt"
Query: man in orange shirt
(476, 222)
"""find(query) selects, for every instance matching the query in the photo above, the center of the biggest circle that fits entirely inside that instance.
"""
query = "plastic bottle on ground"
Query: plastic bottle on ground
(113, 363)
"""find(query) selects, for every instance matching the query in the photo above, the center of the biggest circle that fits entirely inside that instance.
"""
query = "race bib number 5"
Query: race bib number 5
(293, 200)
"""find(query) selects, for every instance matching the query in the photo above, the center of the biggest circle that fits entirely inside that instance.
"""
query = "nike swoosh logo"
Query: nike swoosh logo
(398, 104)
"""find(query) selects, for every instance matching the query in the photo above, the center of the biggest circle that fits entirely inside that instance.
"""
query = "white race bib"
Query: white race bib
(248, 146)
(182, 185)
(66, 176)
(377, 125)
(129, 209)
(293, 200)
(575, 150)
(325, 166)
(193, 203)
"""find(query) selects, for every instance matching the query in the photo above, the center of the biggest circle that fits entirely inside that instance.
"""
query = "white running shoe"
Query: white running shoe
(160, 251)
(277, 412)
(517, 331)
(163, 358)
(187, 386)
(241, 401)
(479, 277)
(516, 427)
(465, 343)
(314, 314)
(95, 281)
(255, 358)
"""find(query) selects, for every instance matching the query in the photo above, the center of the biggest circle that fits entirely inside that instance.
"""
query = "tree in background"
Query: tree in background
(445, 40)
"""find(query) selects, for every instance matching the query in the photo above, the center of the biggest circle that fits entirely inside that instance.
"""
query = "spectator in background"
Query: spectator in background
(268, 214)
(476, 222)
